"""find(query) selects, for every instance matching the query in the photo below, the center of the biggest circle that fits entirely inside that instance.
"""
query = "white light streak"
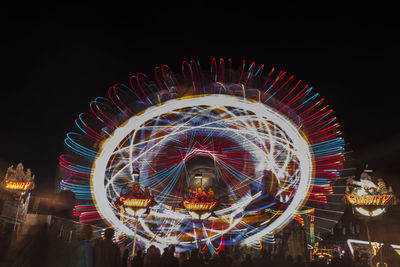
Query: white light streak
(278, 132)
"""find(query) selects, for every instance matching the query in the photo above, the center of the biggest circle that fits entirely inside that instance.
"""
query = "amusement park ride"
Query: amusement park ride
(18, 183)
(368, 200)
(268, 146)
(135, 202)
(200, 206)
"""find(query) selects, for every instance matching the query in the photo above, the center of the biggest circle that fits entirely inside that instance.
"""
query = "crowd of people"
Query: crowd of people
(103, 252)
(201, 195)
(42, 250)
(135, 191)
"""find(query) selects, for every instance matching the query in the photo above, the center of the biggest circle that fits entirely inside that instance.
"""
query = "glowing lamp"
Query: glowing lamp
(135, 175)
(199, 176)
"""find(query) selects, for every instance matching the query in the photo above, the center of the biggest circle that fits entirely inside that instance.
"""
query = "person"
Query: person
(125, 190)
(164, 257)
(236, 262)
(168, 259)
(137, 260)
(137, 192)
(347, 259)
(32, 249)
(124, 253)
(247, 261)
(202, 196)
(106, 253)
(335, 260)
(184, 258)
(5, 243)
(210, 194)
(363, 260)
(288, 261)
(366, 186)
(84, 257)
(299, 261)
(152, 258)
(194, 260)
(382, 187)
(147, 193)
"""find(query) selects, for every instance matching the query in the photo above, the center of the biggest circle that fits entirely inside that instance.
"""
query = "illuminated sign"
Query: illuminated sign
(135, 202)
(199, 206)
(23, 186)
(368, 200)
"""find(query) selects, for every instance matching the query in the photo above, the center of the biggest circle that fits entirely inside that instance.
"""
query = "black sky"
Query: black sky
(55, 60)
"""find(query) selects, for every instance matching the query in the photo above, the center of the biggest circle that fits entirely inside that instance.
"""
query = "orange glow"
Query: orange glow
(299, 219)
(368, 200)
(18, 185)
(135, 202)
(200, 206)
(323, 254)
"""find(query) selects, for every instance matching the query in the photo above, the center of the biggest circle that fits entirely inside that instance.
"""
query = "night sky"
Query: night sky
(55, 60)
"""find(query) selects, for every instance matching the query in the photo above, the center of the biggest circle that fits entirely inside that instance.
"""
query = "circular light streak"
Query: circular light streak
(261, 113)
(264, 142)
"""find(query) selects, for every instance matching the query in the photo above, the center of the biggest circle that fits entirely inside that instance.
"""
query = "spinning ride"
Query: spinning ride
(367, 198)
(17, 184)
(200, 206)
(265, 145)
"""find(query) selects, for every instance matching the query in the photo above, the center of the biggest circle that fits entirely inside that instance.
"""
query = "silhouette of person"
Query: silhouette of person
(84, 255)
(106, 253)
